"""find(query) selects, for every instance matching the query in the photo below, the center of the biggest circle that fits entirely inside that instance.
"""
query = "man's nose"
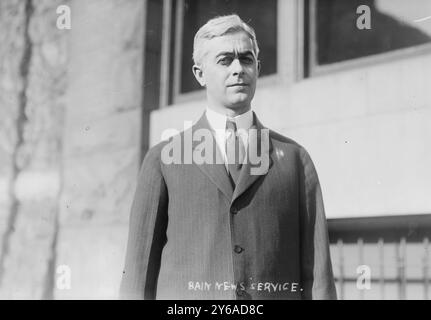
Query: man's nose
(237, 67)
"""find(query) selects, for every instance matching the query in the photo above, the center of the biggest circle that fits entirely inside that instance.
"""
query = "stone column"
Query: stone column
(101, 145)
(33, 58)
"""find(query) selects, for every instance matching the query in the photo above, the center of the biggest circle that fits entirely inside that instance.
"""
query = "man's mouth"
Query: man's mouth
(238, 85)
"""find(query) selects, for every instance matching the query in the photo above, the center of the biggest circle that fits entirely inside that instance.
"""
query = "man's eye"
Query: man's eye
(247, 60)
(225, 61)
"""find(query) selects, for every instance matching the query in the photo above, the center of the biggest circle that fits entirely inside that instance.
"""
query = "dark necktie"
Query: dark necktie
(235, 151)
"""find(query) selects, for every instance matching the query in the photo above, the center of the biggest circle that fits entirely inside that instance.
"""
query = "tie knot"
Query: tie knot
(231, 125)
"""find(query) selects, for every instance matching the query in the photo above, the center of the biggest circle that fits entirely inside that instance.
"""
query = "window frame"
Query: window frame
(313, 69)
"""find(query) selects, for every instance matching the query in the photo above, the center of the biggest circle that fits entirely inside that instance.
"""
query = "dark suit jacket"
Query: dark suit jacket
(193, 236)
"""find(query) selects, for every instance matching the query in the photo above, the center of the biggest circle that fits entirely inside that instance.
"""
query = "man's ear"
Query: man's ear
(199, 74)
(259, 66)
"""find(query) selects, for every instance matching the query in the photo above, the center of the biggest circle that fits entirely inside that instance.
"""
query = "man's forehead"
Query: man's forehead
(237, 43)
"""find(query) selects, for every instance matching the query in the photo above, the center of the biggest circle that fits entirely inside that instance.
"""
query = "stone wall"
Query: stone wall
(33, 57)
(69, 144)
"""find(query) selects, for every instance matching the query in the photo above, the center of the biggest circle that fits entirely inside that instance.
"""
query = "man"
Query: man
(221, 230)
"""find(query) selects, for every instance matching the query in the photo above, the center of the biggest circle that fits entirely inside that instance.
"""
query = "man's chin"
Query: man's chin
(239, 100)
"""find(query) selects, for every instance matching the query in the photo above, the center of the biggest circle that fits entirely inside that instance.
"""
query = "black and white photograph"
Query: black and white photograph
(215, 150)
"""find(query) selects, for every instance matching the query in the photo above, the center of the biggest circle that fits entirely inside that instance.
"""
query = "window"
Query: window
(334, 37)
(182, 19)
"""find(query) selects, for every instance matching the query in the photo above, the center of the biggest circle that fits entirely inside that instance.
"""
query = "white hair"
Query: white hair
(218, 27)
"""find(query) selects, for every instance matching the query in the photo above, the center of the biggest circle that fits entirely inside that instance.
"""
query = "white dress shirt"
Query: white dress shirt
(217, 121)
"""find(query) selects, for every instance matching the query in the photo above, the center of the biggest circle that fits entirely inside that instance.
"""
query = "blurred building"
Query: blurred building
(82, 106)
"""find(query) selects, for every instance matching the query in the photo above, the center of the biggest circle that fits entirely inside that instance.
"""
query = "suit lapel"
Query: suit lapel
(264, 150)
(215, 171)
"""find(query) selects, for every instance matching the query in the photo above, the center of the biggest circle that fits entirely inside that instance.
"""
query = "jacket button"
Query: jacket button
(234, 210)
(238, 249)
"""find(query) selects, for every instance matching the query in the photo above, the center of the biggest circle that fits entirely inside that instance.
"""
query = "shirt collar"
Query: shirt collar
(217, 120)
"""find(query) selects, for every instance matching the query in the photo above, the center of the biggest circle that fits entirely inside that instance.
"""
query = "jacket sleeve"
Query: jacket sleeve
(147, 232)
(317, 280)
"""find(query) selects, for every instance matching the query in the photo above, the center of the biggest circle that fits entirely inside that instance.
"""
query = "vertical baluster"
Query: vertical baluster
(381, 246)
(425, 269)
(341, 266)
(361, 262)
(397, 264)
(401, 269)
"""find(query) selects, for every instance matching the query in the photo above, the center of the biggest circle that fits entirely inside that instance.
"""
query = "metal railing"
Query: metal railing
(400, 261)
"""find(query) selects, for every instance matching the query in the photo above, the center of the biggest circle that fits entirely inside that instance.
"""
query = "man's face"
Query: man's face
(229, 71)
